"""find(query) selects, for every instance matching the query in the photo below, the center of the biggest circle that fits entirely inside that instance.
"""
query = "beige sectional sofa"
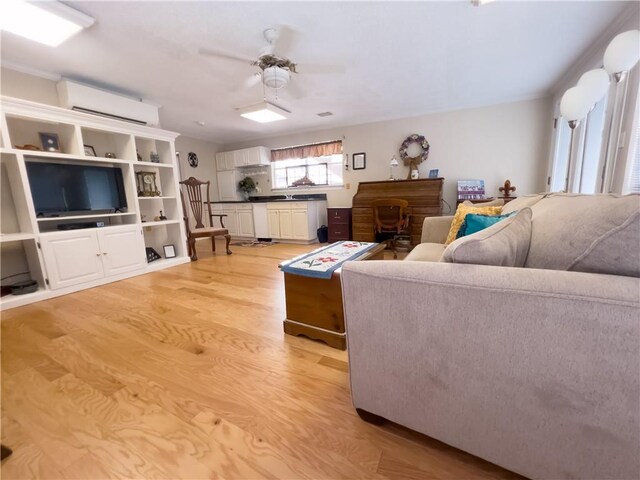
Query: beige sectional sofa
(536, 369)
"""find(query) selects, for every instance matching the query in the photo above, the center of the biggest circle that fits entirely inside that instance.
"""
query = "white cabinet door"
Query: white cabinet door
(220, 166)
(264, 156)
(300, 224)
(245, 223)
(229, 160)
(240, 157)
(286, 230)
(72, 258)
(231, 221)
(227, 190)
(122, 250)
(274, 223)
(253, 156)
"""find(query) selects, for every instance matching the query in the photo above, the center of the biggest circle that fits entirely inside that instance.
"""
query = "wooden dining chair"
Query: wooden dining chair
(392, 219)
(194, 188)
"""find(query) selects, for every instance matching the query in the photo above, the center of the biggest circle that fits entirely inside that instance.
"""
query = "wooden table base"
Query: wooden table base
(333, 339)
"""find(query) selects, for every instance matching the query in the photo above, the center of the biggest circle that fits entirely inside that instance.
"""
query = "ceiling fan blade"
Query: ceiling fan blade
(319, 69)
(253, 80)
(229, 56)
(283, 40)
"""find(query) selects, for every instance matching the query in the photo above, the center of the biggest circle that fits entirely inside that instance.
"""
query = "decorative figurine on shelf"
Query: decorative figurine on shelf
(507, 189)
(154, 157)
(162, 217)
(109, 155)
(138, 156)
(143, 218)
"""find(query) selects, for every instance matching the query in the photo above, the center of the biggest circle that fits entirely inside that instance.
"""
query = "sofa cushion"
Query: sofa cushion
(589, 233)
(474, 223)
(522, 202)
(609, 251)
(496, 202)
(461, 212)
(505, 243)
(426, 252)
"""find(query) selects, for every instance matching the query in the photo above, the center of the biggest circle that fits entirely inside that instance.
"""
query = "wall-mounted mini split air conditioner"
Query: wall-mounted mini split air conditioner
(99, 102)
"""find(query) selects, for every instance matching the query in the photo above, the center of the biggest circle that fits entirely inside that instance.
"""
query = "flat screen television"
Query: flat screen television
(63, 189)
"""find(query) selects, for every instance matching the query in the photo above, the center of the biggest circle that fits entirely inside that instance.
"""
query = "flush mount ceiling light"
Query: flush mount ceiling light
(263, 112)
(50, 23)
(479, 3)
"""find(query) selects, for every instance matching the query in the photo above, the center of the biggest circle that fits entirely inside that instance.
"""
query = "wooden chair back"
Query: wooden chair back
(391, 215)
(195, 201)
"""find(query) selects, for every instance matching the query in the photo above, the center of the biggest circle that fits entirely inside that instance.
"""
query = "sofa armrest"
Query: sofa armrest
(490, 359)
(436, 229)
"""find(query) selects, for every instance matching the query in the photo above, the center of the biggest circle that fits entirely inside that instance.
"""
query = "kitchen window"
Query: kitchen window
(317, 165)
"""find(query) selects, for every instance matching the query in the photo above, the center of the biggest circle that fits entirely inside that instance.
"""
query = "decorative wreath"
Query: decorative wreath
(420, 140)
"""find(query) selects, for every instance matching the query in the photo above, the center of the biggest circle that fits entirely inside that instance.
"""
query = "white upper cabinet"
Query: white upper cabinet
(246, 157)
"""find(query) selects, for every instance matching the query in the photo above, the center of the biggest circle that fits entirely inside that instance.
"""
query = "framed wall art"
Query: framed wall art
(359, 161)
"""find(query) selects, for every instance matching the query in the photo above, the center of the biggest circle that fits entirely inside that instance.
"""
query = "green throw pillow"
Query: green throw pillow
(474, 223)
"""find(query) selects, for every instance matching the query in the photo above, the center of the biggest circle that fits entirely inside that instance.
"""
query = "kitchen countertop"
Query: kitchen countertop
(315, 197)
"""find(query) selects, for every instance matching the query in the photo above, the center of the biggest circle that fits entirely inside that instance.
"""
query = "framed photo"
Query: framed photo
(49, 141)
(434, 173)
(169, 251)
(359, 161)
(89, 151)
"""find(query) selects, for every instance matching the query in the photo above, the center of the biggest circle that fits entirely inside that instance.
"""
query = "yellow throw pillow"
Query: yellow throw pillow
(461, 212)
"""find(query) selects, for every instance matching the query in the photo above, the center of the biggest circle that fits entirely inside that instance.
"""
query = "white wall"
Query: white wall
(29, 87)
(507, 141)
(206, 169)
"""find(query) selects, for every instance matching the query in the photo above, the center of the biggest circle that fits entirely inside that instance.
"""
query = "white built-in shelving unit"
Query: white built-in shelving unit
(62, 262)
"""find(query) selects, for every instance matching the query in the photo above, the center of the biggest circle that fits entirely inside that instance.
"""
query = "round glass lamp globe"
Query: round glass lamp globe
(596, 82)
(623, 52)
(575, 103)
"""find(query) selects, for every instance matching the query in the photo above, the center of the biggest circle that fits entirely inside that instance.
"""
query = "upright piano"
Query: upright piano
(424, 197)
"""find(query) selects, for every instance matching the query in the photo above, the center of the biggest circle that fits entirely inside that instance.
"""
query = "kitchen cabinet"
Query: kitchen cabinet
(238, 220)
(82, 256)
(296, 220)
(274, 223)
(252, 156)
(299, 224)
(225, 161)
(245, 223)
(246, 157)
(228, 186)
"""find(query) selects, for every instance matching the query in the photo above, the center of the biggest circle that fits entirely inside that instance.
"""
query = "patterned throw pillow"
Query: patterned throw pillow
(461, 212)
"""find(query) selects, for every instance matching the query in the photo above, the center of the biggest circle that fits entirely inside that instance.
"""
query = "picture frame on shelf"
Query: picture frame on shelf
(359, 161)
(169, 251)
(89, 151)
(434, 173)
(50, 142)
(152, 255)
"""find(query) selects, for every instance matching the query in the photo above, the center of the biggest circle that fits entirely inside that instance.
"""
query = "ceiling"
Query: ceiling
(401, 59)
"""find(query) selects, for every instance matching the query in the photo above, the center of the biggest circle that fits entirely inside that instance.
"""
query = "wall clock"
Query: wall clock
(193, 159)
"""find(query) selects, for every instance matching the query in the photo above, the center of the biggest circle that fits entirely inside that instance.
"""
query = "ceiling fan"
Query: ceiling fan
(274, 69)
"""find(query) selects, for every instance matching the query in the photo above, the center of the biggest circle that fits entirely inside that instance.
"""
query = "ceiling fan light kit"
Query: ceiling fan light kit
(275, 77)
(264, 112)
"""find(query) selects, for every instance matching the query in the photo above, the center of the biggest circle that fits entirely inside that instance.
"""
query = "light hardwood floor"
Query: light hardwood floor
(186, 373)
